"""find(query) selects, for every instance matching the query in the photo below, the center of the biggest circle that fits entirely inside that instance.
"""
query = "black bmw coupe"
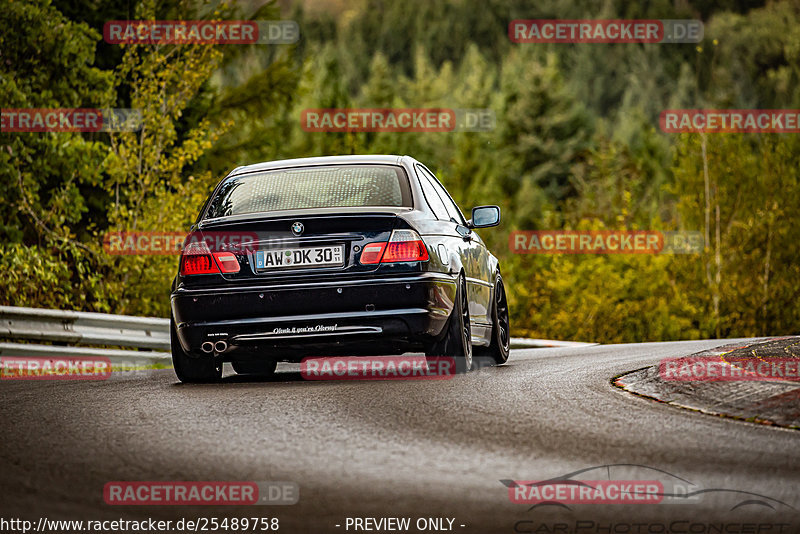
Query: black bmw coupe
(344, 255)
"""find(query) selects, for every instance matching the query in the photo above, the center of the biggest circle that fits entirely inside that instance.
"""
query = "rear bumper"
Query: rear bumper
(372, 316)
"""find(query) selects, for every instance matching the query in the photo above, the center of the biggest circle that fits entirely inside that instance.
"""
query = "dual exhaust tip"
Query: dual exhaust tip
(218, 347)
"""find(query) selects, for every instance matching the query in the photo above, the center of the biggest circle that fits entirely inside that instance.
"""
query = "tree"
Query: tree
(741, 189)
(45, 177)
(48, 180)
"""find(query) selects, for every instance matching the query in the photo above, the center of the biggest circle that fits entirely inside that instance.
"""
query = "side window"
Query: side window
(432, 197)
(452, 210)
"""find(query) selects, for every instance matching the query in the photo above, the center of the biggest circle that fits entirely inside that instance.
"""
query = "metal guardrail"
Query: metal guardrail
(85, 328)
(528, 343)
(88, 328)
(28, 350)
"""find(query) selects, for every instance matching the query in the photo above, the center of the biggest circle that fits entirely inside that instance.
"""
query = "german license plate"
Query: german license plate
(330, 256)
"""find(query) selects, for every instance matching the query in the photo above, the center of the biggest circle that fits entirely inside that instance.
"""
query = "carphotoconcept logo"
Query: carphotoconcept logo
(207, 493)
(730, 120)
(605, 31)
(378, 368)
(397, 120)
(39, 120)
(604, 242)
(201, 32)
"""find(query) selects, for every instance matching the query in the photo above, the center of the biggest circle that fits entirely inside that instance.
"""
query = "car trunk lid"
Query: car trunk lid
(299, 244)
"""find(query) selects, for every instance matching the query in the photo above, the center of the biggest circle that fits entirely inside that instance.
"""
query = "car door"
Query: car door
(474, 255)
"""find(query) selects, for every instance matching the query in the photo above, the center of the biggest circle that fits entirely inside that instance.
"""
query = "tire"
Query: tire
(192, 370)
(457, 341)
(498, 350)
(255, 367)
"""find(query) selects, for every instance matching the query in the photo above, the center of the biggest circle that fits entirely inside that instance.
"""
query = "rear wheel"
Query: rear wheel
(192, 370)
(255, 367)
(498, 350)
(457, 341)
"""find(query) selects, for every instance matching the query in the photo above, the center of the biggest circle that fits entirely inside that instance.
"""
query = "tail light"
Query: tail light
(227, 262)
(198, 259)
(372, 253)
(403, 246)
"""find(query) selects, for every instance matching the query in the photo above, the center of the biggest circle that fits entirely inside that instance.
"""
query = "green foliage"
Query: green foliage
(545, 131)
(138, 179)
(51, 277)
(747, 278)
(46, 62)
(616, 298)
(756, 62)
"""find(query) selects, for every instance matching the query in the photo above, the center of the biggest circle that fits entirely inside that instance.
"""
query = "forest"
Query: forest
(575, 144)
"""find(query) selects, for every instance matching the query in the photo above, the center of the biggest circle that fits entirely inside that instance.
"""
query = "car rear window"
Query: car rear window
(316, 187)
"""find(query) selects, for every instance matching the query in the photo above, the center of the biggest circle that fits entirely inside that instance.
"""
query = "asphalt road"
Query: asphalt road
(397, 448)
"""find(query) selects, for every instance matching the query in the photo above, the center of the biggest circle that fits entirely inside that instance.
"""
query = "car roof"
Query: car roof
(385, 159)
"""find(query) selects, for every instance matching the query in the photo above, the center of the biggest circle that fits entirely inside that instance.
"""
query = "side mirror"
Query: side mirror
(484, 217)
